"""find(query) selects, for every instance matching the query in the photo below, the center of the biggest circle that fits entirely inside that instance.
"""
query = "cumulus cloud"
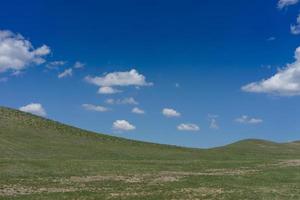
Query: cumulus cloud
(188, 127)
(79, 65)
(169, 112)
(285, 3)
(286, 82)
(66, 73)
(295, 28)
(108, 90)
(55, 64)
(17, 53)
(138, 111)
(248, 120)
(129, 100)
(95, 108)
(123, 125)
(119, 79)
(34, 108)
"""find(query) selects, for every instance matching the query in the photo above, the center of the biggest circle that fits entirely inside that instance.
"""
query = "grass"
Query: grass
(43, 159)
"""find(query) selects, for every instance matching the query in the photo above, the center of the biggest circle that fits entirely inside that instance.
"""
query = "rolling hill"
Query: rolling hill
(44, 159)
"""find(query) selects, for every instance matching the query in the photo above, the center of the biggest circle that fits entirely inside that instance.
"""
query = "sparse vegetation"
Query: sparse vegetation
(43, 159)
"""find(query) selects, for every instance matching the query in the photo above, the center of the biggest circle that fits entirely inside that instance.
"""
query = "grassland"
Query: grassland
(43, 159)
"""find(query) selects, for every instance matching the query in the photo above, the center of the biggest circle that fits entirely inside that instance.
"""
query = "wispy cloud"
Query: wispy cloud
(295, 28)
(188, 127)
(79, 65)
(285, 3)
(55, 64)
(128, 100)
(213, 124)
(66, 73)
(95, 108)
(271, 39)
(248, 120)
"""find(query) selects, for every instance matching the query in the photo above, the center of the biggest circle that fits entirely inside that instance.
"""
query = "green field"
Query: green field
(43, 159)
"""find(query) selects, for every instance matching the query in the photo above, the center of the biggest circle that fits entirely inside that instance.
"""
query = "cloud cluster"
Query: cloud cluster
(285, 3)
(286, 82)
(17, 53)
(118, 79)
(188, 127)
(248, 120)
(169, 112)
(34, 108)
(123, 125)
(95, 108)
(67, 72)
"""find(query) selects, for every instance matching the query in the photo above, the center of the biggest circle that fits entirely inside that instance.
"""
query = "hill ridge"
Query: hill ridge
(7, 110)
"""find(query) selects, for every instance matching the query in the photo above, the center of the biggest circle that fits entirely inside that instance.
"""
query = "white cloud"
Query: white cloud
(17, 53)
(286, 82)
(295, 29)
(188, 127)
(137, 111)
(248, 120)
(123, 125)
(169, 112)
(285, 3)
(120, 79)
(213, 124)
(129, 100)
(95, 108)
(55, 64)
(108, 90)
(213, 121)
(79, 65)
(66, 73)
(34, 108)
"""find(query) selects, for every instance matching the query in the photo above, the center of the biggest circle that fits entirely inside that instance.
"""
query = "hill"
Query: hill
(43, 159)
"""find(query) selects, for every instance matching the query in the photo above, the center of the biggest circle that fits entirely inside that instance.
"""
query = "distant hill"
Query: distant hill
(26, 135)
(44, 159)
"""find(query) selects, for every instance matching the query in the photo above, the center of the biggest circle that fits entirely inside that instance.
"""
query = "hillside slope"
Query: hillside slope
(43, 159)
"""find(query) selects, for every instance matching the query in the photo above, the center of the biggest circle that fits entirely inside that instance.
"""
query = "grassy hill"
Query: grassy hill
(43, 159)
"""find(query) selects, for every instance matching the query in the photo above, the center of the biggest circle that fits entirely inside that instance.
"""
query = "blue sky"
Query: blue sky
(198, 74)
